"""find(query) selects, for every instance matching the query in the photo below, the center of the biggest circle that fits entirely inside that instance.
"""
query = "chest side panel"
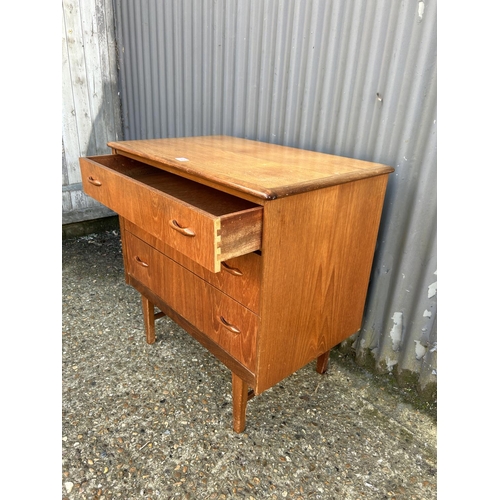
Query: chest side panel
(317, 255)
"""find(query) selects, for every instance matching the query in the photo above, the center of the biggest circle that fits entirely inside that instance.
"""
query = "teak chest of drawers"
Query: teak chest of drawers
(261, 252)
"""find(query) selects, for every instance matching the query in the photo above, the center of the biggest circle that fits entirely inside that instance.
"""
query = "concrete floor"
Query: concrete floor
(155, 421)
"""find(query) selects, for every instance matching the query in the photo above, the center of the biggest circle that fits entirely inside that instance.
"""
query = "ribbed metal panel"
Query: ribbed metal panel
(352, 78)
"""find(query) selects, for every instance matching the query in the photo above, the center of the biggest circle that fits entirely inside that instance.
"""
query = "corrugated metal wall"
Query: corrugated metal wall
(90, 102)
(352, 78)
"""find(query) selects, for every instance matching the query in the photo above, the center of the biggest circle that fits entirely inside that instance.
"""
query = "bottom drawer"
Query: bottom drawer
(231, 325)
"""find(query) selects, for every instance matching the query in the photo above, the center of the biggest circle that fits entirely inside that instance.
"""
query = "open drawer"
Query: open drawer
(206, 225)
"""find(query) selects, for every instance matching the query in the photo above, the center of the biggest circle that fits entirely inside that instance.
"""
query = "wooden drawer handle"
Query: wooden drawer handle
(186, 231)
(227, 325)
(231, 270)
(95, 182)
(141, 262)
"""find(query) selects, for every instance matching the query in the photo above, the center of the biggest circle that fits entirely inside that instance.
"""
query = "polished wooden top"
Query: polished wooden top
(266, 171)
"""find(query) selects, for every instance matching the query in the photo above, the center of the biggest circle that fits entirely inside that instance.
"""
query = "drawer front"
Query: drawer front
(229, 324)
(202, 223)
(239, 278)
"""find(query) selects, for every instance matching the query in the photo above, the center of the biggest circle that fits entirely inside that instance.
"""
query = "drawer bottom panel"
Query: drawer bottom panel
(229, 324)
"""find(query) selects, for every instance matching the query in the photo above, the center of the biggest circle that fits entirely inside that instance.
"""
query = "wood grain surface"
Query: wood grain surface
(240, 278)
(318, 249)
(261, 170)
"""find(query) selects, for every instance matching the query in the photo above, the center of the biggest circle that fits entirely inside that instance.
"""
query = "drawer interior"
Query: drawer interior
(203, 197)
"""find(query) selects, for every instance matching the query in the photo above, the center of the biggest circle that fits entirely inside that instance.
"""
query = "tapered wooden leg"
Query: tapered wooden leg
(322, 362)
(240, 398)
(148, 311)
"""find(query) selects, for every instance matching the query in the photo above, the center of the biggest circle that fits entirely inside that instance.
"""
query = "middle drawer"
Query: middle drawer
(240, 278)
(231, 325)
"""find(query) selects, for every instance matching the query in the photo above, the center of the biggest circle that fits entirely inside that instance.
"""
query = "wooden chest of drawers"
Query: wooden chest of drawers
(261, 252)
